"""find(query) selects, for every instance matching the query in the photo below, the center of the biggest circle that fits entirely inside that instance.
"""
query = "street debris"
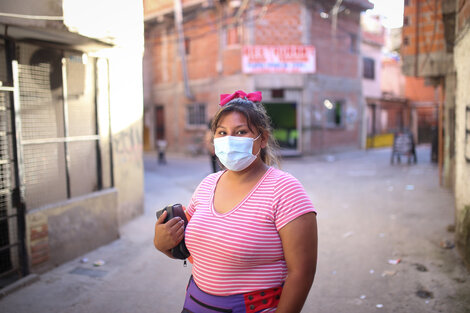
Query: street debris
(362, 297)
(388, 273)
(421, 267)
(450, 228)
(410, 187)
(334, 272)
(348, 234)
(84, 260)
(379, 306)
(381, 235)
(99, 263)
(330, 158)
(371, 272)
(94, 273)
(394, 262)
(447, 244)
(424, 294)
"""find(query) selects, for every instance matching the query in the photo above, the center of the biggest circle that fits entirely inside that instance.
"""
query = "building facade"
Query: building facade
(436, 40)
(71, 119)
(462, 128)
(304, 57)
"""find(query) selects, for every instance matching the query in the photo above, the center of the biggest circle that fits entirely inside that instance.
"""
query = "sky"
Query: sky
(391, 12)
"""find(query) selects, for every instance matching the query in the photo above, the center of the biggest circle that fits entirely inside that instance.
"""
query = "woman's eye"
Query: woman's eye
(241, 132)
(221, 133)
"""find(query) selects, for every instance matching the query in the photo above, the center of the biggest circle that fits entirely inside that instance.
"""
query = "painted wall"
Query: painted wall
(66, 230)
(392, 79)
(124, 29)
(371, 47)
(462, 134)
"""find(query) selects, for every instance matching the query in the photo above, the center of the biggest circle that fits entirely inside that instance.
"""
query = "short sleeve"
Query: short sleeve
(191, 208)
(290, 201)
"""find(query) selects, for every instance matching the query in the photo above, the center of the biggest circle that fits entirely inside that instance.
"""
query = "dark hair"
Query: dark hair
(257, 119)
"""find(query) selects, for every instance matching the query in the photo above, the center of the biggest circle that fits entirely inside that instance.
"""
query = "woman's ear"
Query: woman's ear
(264, 139)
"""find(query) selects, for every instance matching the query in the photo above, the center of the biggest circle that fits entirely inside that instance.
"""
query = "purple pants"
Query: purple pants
(197, 301)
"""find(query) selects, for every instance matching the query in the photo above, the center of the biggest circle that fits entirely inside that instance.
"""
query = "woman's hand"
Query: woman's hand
(169, 234)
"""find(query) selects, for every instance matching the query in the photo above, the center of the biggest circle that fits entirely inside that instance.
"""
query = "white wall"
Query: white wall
(372, 88)
(462, 145)
(119, 23)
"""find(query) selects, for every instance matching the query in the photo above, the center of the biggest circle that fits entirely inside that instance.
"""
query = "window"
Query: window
(407, 3)
(196, 114)
(334, 113)
(368, 68)
(277, 93)
(406, 21)
(406, 41)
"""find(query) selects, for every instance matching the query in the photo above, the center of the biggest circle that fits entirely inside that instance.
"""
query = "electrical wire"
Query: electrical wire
(273, 6)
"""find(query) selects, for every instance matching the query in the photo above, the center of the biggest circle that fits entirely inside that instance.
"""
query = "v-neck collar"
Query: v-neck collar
(212, 207)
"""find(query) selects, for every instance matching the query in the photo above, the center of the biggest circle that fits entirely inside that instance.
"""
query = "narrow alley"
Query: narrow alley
(385, 243)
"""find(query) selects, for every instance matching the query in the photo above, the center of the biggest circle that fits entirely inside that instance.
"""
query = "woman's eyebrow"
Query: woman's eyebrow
(236, 127)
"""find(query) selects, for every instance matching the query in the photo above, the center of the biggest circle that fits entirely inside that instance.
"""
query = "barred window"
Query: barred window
(334, 113)
(65, 154)
(196, 114)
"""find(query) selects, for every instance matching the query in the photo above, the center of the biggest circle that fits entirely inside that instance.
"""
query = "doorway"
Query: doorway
(284, 122)
(159, 123)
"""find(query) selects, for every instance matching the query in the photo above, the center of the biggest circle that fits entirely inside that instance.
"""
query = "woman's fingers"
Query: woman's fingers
(169, 234)
(162, 217)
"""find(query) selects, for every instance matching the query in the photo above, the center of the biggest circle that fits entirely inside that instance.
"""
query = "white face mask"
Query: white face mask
(235, 153)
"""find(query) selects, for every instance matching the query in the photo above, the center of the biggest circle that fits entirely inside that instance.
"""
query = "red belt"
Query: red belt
(262, 299)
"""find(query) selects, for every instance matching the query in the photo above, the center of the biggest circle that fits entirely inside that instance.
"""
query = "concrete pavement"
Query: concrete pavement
(370, 213)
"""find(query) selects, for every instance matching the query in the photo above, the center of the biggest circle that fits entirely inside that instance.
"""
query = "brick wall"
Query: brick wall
(212, 71)
(281, 25)
(38, 238)
(417, 90)
(337, 55)
(430, 28)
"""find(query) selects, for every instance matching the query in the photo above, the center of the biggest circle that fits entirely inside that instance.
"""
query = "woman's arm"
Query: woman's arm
(299, 242)
(169, 234)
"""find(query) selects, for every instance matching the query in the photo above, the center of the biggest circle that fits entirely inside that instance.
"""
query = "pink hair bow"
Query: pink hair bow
(253, 96)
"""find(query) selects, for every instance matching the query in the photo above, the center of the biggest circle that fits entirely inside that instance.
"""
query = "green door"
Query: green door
(284, 122)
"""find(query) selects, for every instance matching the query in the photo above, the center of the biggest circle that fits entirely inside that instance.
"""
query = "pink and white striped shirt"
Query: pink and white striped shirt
(241, 251)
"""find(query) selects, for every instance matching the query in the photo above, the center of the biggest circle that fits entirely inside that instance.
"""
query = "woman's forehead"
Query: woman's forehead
(233, 117)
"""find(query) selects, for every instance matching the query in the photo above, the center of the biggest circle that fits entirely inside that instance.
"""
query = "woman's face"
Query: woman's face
(235, 124)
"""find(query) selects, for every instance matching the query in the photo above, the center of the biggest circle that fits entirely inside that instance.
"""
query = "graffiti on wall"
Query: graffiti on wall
(128, 143)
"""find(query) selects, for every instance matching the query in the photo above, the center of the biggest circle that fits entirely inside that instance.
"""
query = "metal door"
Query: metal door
(13, 260)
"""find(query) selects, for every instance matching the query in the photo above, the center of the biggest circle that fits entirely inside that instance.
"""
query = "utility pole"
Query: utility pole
(178, 10)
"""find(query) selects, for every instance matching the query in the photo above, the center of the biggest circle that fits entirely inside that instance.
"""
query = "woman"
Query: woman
(252, 232)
